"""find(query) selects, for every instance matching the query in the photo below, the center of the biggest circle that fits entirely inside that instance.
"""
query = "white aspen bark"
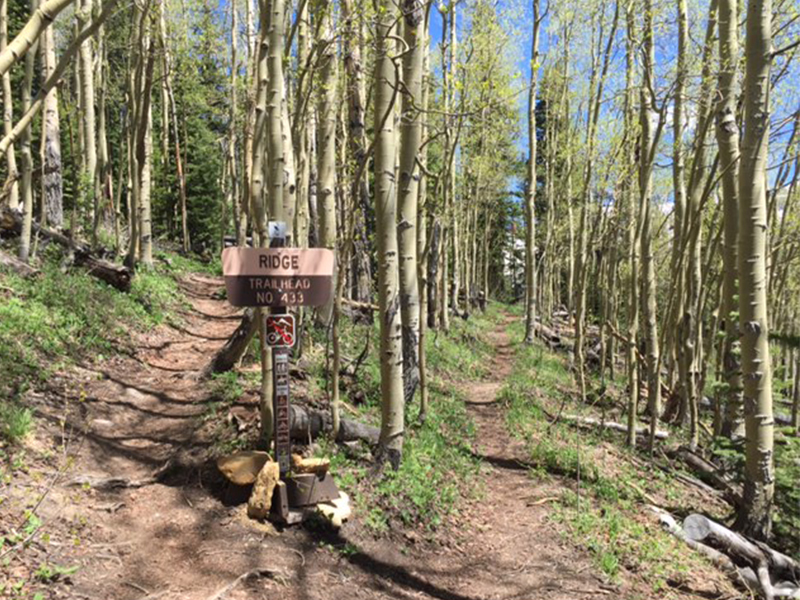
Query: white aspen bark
(755, 518)
(727, 132)
(390, 446)
(360, 264)
(326, 140)
(8, 113)
(649, 306)
(104, 186)
(237, 206)
(88, 124)
(300, 131)
(673, 346)
(52, 186)
(26, 180)
(39, 22)
(145, 207)
(531, 290)
(407, 206)
(422, 230)
(633, 235)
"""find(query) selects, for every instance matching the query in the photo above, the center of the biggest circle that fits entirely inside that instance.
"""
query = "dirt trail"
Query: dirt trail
(185, 539)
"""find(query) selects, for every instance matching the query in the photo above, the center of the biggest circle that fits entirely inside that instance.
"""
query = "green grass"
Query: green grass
(438, 467)
(600, 508)
(62, 316)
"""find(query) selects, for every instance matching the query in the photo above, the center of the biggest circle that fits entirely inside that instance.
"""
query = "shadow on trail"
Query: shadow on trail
(381, 570)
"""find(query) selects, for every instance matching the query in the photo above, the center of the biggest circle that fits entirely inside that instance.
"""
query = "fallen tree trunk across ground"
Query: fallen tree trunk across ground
(590, 422)
(231, 353)
(116, 276)
(708, 472)
(308, 424)
(14, 264)
(753, 564)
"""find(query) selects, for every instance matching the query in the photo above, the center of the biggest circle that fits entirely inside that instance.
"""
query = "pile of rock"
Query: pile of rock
(256, 468)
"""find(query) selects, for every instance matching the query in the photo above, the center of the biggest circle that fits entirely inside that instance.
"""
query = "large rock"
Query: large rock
(243, 467)
(261, 498)
(318, 466)
(337, 510)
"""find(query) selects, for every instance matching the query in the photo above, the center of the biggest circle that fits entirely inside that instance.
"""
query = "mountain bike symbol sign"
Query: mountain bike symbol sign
(280, 331)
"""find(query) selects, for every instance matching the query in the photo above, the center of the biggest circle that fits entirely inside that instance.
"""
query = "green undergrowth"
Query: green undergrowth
(63, 316)
(601, 506)
(438, 467)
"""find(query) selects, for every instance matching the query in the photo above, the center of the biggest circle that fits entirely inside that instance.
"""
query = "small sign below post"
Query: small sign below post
(280, 378)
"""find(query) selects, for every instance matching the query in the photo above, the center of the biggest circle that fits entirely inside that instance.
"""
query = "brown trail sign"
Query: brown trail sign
(278, 276)
(281, 277)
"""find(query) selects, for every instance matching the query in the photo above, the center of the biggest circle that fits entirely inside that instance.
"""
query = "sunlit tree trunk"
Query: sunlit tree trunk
(326, 139)
(391, 347)
(407, 205)
(727, 131)
(8, 114)
(755, 517)
(89, 129)
(530, 192)
(52, 187)
(648, 141)
(26, 180)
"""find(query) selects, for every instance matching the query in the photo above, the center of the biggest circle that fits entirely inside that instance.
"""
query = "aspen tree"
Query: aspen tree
(422, 230)
(408, 191)
(326, 138)
(634, 231)
(52, 187)
(86, 69)
(531, 290)
(674, 348)
(649, 139)
(26, 179)
(755, 517)
(300, 137)
(597, 81)
(390, 447)
(40, 22)
(8, 113)
(727, 133)
(361, 285)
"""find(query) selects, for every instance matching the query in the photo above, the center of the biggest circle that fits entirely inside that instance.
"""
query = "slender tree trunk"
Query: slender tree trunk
(391, 347)
(530, 192)
(8, 113)
(26, 181)
(90, 176)
(648, 142)
(326, 138)
(755, 518)
(727, 131)
(39, 22)
(407, 206)
(634, 234)
(52, 187)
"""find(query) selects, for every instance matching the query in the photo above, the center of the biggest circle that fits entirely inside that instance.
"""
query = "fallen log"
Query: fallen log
(744, 576)
(708, 472)
(308, 423)
(231, 353)
(766, 563)
(14, 264)
(592, 422)
(116, 276)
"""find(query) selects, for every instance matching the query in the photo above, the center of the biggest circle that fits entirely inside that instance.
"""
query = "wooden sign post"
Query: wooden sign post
(280, 277)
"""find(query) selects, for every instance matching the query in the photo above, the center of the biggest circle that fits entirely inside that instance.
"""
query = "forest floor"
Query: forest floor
(122, 502)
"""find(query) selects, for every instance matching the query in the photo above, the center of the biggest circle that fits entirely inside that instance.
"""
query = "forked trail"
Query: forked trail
(185, 538)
